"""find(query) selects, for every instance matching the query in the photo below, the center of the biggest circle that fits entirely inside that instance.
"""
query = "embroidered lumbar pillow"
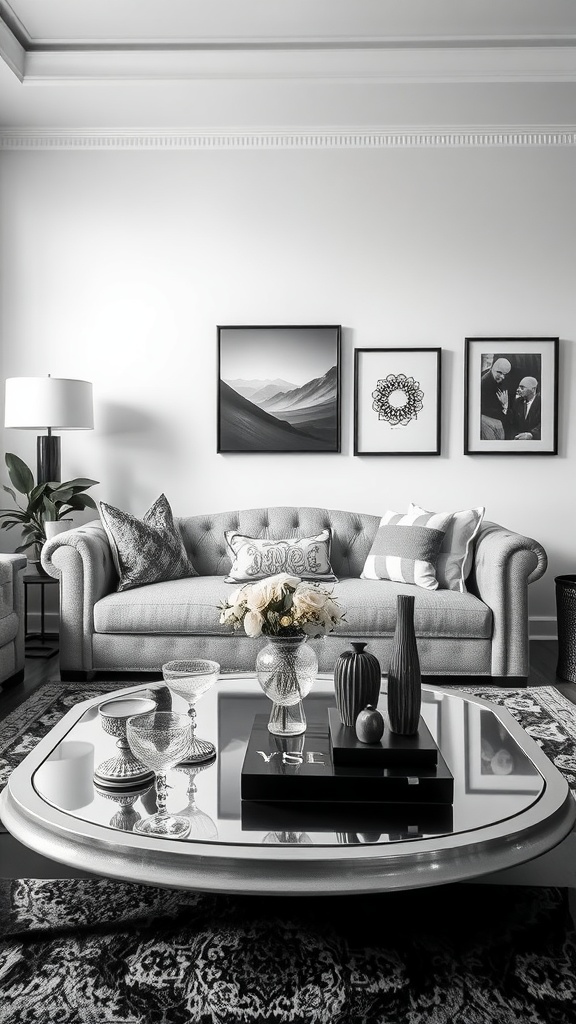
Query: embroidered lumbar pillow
(255, 558)
(456, 551)
(148, 550)
(406, 547)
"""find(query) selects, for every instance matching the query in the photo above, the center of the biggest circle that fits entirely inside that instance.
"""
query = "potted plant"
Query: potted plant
(45, 503)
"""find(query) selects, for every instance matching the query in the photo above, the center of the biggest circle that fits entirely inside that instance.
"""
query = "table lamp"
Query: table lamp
(51, 403)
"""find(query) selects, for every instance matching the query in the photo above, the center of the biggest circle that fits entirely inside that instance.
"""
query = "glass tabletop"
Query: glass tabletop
(494, 777)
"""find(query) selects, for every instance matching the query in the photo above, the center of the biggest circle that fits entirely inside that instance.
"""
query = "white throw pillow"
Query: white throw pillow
(456, 551)
(255, 558)
(406, 547)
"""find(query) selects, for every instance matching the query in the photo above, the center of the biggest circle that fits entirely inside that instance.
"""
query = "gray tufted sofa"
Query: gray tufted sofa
(481, 633)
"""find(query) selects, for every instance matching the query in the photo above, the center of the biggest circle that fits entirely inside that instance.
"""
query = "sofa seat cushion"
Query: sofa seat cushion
(191, 606)
(370, 608)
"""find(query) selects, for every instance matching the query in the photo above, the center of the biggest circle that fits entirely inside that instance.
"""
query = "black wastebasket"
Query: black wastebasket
(566, 617)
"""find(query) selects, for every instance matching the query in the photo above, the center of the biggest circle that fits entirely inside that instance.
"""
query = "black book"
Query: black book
(301, 768)
(410, 751)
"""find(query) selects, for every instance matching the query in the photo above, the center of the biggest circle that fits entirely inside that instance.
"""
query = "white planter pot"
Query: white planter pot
(59, 526)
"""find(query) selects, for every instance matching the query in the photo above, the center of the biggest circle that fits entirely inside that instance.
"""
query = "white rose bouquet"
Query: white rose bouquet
(282, 605)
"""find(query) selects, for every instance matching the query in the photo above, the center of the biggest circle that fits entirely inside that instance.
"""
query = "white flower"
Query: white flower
(282, 604)
(253, 622)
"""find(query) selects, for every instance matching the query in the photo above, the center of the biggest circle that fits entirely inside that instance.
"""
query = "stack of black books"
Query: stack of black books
(327, 779)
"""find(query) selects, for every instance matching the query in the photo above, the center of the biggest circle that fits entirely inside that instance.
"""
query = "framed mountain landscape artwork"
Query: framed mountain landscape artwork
(279, 389)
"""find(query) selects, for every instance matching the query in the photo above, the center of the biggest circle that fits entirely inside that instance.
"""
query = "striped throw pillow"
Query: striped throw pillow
(406, 547)
(456, 551)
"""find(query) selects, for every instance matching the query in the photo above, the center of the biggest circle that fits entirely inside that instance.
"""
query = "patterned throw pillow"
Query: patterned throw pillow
(148, 550)
(254, 559)
(406, 547)
(456, 551)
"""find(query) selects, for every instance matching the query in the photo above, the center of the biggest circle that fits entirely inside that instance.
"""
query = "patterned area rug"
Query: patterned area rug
(99, 952)
(105, 952)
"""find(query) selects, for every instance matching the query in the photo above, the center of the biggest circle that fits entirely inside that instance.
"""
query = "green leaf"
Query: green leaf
(36, 502)
(80, 483)
(19, 473)
(10, 492)
(61, 494)
(79, 501)
(14, 513)
(50, 511)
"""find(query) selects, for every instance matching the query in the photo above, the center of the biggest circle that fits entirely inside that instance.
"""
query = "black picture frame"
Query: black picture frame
(294, 373)
(498, 372)
(397, 401)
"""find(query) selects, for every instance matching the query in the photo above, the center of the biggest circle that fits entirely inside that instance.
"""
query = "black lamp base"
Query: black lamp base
(48, 457)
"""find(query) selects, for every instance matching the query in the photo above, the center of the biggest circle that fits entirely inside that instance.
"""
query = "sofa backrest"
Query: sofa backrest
(352, 534)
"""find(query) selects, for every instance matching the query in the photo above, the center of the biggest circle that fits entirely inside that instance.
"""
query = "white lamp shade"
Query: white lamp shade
(36, 403)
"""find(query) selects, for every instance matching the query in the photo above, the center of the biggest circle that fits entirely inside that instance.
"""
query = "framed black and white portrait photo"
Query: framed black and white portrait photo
(279, 389)
(511, 396)
(397, 401)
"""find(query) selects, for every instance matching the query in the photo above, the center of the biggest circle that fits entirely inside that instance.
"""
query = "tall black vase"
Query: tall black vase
(357, 677)
(404, 678)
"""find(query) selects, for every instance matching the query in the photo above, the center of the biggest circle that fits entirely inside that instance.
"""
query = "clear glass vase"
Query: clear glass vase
(286, 668)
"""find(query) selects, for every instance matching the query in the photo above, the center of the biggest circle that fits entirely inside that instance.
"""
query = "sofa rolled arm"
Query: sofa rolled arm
(12, 611)
(505, 563)
(82, 560)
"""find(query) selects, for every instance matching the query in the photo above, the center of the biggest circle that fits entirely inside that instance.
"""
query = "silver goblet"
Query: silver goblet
(124, 769)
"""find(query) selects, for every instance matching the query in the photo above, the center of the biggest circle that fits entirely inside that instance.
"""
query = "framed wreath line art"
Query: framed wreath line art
(279, 388)
(397, 404)
(511, 396)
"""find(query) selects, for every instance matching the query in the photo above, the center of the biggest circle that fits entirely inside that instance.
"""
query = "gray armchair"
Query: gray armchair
(12, 625)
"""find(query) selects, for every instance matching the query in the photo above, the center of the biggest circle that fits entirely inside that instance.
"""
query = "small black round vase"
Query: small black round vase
(357, 677)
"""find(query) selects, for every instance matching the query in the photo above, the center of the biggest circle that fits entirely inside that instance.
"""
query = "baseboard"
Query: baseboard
(542, 627)
(508, 682)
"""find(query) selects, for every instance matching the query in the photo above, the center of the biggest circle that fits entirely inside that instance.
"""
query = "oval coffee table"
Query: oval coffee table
(510, 804)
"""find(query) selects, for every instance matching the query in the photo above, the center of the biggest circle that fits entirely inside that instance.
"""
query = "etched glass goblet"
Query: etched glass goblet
(160, 740)
(190, 680)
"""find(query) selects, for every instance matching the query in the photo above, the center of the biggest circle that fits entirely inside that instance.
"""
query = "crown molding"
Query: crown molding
(393, 65)
(11, 51)
(289, 138)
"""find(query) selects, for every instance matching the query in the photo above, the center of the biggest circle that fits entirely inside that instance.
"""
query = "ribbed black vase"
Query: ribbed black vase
(357, 676)
(404, 678)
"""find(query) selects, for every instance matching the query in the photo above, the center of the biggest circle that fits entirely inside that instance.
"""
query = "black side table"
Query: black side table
(42, 644)
(566, 618)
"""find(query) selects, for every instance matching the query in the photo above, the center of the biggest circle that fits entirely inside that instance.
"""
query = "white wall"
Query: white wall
(117, 266)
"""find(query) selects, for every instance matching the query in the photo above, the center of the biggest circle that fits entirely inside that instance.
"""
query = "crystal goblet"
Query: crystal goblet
(190, 680)
(124, 769)
(160, 740)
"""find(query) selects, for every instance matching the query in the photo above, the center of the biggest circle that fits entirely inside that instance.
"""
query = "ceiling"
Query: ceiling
(176, 62)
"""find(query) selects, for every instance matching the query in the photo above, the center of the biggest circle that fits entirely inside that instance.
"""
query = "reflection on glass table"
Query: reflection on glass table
(494, 761)
(202, 826)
